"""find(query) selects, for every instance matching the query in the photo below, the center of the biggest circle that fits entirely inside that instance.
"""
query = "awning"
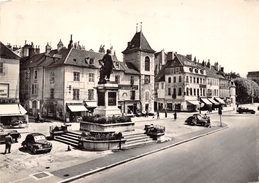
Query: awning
(91, 104)
(206, 101)
(219, 100)
(77, 108)
(194, 102)
(12, 110)
(213, 101)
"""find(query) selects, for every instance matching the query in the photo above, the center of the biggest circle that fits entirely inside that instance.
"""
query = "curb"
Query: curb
(139, 156)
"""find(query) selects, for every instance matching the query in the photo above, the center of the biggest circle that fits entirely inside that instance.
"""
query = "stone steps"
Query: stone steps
(68, 138)
(135, 139)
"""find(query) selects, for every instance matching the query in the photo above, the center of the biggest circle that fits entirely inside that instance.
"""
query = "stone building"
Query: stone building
(141, 56)
(253, 75)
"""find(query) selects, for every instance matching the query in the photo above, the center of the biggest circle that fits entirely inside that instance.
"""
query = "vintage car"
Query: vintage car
(14, 133)
(198, 119)
(37, 142)
(241, 110)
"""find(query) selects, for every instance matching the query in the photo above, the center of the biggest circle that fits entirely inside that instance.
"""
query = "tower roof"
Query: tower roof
(138, 43)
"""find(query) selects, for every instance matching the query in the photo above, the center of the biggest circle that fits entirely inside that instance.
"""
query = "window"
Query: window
(132, 95)
(187, 79)
(198, 80)
(190, 91)
(177, 69)
(190, 79)
(162, 85)
(187, 91)
(1, 67)
(76, 76)
(92, 61)
(147, 79)
(91, 77)
(194, 79)
(174, 79)
(201, 80)
(52, 78)
(34, 89)
(35, 74)
(75, 94)
(194, 92)
(180, 79)
(52, 93)
(198, 92)
(172, 71)
(174, 91)
(179, 91)
(169, 91)
(147, 64)
(169, 80)
(117, 79)
(90, 94)
(131, 80)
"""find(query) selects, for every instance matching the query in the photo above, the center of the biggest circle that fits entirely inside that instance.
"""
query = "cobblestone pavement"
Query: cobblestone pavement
(20, 164)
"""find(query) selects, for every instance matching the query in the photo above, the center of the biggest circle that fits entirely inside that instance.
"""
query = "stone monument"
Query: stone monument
(107, 91)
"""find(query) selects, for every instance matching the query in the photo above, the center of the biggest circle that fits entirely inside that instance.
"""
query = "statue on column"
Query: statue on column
(107, 67)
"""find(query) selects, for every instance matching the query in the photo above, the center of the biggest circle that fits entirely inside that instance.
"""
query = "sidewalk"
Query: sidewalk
(63, 166)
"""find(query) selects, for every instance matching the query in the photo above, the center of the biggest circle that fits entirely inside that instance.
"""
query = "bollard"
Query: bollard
(68, 148)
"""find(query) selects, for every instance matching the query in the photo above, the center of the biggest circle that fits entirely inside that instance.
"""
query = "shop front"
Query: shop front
(75, 112)
(13, 115)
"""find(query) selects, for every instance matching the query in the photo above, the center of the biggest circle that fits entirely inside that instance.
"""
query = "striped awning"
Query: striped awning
(213, 101)
(219, 100)
(206, 101)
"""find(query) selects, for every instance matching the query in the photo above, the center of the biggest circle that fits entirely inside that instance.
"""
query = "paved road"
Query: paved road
(227, 156)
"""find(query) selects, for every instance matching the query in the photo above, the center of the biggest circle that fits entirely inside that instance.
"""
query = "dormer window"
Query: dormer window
(87, 60)
(190, 69)
(196, 70)
(91, 61)
(201, 71)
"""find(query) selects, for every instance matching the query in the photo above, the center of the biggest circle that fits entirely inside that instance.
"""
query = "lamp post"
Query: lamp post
(174, 97)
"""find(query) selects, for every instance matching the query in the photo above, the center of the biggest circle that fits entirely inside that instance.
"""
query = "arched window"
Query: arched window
(179, 91)
(169, 80)
(174, 91)
(147, 64)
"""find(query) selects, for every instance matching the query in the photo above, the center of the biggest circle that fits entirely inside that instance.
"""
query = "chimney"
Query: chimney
(31, 50)
(70, 45)
(216, 65)
(47, 48)
(208, 63)
(170, 56)
(222, 69)
(189, 57)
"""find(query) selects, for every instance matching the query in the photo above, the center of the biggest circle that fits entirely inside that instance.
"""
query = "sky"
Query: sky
(223, 31)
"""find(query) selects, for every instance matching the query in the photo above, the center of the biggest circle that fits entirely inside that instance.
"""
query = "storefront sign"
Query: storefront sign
(4, 90)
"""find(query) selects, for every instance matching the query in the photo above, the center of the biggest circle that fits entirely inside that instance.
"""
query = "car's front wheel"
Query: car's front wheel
(34, 150)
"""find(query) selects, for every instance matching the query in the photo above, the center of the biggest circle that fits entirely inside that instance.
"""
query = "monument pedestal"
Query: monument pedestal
(107, 100)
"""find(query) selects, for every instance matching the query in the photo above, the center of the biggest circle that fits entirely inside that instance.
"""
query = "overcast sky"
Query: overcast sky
(224, 31)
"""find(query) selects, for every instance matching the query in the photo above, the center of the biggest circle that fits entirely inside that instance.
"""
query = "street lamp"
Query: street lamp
(174, 97)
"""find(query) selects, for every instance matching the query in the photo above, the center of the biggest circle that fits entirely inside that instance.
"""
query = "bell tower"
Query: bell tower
(142, 56)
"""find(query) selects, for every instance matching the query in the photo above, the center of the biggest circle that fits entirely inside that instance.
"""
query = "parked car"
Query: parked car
(14, 133)
(241, 110)
(37, 142)
(198, 119)
(258, 108)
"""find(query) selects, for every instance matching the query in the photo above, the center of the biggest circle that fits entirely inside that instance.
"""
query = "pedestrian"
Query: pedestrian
(165, 113)
(157, 113)
(146, 113)
(8, 143)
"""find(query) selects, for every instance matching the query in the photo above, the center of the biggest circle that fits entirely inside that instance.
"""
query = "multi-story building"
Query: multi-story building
(184, 84)
(141, 56)
(10, 109)
(61, 83)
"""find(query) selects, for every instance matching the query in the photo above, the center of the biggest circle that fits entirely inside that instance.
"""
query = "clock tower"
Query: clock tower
(141, 55)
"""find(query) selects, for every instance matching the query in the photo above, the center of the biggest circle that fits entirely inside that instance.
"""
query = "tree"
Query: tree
(246, 90)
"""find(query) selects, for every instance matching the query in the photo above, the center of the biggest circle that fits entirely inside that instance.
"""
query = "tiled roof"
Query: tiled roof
(138, 43)
(129, 68)
(161, 75)
(7, 53)
(34, 61)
